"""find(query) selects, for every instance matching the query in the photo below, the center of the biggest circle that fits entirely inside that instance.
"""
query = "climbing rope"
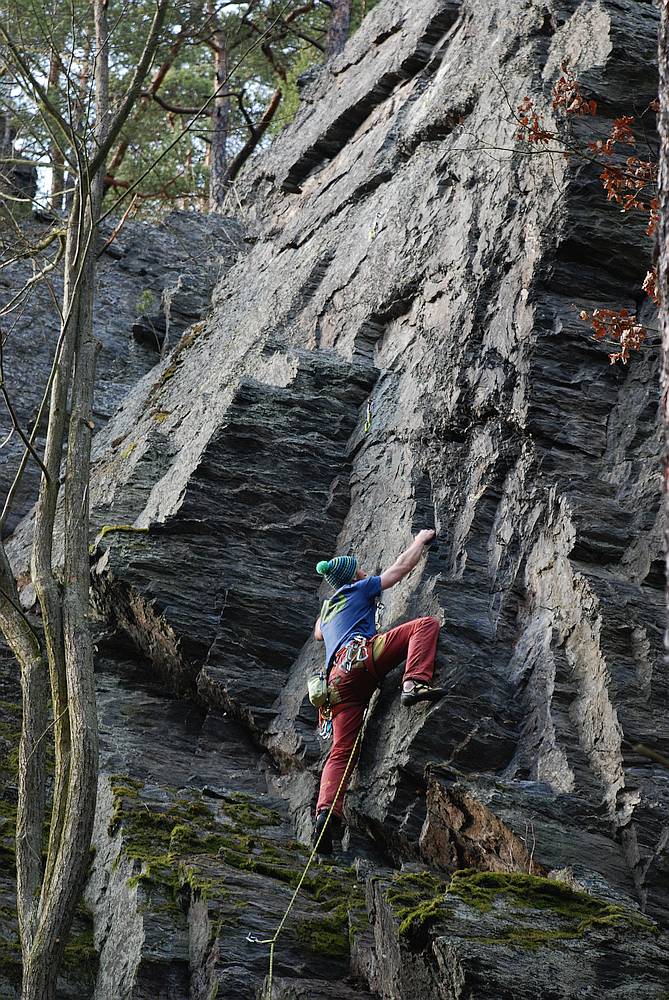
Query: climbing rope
(272, 941)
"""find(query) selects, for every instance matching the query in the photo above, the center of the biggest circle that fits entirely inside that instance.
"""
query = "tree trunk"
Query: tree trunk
(46, 900)
(73, 814)
(42, 952)
(32, 750)
(220, 120)
(339, 24)
(663, 253)
(57, 159)
(65, 609)
(46, 585)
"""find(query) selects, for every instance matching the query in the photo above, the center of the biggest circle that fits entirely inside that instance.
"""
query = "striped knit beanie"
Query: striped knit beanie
(338, 571)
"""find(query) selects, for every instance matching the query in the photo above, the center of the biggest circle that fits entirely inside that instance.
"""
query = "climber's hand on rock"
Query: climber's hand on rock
(425, 536)
(406, 562)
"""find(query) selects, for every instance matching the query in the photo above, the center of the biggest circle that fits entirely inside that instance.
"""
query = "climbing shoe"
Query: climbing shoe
(422, 692)
(331, 830)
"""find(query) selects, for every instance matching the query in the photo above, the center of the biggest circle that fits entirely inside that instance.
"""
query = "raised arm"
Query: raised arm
(317, 630)
(406, 562)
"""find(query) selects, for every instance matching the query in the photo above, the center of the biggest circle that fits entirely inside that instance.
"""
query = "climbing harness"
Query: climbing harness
(251, 938)
(324, 696)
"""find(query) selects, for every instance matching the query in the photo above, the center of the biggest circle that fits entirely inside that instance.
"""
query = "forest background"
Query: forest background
(250, 55)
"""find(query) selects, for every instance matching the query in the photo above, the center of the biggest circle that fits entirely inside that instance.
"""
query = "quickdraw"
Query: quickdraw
(356, 653)
(325, 723)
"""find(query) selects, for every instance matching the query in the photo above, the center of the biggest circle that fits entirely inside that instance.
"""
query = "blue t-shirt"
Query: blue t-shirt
(350, 611)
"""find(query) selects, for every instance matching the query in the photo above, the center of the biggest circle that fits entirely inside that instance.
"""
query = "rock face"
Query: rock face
(397, 346)
(247, 537)
(160, 273)
(468, 945)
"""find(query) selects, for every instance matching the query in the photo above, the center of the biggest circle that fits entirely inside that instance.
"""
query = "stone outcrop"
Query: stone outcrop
(266, 492)
(152, 277)
(468, 942)
(397, 345)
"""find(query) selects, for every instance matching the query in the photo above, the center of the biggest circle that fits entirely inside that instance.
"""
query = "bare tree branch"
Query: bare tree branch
(36, 278)
(134, 89)
(257, 133)
(117, 229)
(17, 426)
(202, 109)
(54, 116)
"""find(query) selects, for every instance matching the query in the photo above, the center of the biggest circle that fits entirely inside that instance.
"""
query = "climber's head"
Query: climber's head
(340, 570)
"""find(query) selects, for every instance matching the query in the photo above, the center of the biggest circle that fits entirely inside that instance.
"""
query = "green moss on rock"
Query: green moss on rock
(417, 899)
(167, 839)
(80, 950)
(481, 889)
(10, 735)
(246, 813)
(176, 360)
(420, 899)
(80, 959)
(108, 529)
(174, 843)
(326, 935)
(342, 912)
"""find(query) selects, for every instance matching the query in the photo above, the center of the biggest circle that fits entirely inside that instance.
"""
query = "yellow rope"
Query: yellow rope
(272, 941)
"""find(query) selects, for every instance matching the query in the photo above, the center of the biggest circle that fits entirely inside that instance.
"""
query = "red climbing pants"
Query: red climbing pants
(415, 642)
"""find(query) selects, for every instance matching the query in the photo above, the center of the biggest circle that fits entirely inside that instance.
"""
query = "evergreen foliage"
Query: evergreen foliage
(261, 46)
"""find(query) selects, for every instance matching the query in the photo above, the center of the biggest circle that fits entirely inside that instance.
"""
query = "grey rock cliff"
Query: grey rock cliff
(157, 279)
(406, 261)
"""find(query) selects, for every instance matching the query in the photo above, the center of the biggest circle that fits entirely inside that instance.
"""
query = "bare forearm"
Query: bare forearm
(410, 557)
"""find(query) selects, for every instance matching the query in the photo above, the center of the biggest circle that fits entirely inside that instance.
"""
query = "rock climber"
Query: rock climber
(358, 659)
